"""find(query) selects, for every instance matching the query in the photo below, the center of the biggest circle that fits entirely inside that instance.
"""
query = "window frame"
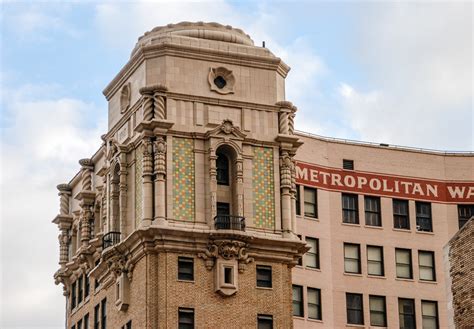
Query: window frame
(359, 267)
(73, 295)
(313, 203)
(369, 212)
(298, 200)
(103, 313)
(347, 210)
(383, 312)
(310, 253)
(463, 213)
(181, 312)
(423, 316)
(264, 283)
(433, 267)
(348, 309)
(398, 216)
(182, 263)
(423, 218)
(268, 318)
(97, 316)
(300, 302)
(410, 264)
(411, 315)
(380, 262)
(317, 305)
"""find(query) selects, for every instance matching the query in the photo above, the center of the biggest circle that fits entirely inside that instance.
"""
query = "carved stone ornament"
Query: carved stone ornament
(221, 80)
(227, 126)
(119, 264)
(228, 250)
(125, 97)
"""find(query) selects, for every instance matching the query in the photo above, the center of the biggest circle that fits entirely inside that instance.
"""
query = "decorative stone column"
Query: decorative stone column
(284, 117)
(160, 180)
(285, 185)
(240, 186)
(64, 222)
(147, 149)
(122, 184)
(293, 193)
(213, 184)
(86, 199)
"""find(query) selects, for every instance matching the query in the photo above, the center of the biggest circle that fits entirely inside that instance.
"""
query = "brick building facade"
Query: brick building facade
(200, 204)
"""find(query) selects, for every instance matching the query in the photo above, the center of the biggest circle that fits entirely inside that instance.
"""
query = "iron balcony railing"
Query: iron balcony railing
(110, 239)
(229, 222)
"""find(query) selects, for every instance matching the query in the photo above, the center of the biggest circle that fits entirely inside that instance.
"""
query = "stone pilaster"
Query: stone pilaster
(160, 180)
(122, 186)
(147, 149)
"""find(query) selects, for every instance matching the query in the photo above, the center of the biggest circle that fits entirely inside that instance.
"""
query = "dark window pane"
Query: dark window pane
(401, 217)
(378, 316)
(185, 268)
(298, 200)
(350, 208)
(354, 307)
(103, 309)
(298, 301)
(406, 311)
(372, 211)
(222, 169)
(348, 164)
(96, 316)
(264, 276)
(423, 217)
(264, 321)
(465, 212)
(310, 202)
(314, 304)
(185, 318)
(223, 209)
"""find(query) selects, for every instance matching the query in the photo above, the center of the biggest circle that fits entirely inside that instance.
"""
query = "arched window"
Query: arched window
(222, 164)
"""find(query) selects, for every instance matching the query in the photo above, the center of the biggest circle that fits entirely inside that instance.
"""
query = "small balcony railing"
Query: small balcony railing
(110, 239)
(229, 222)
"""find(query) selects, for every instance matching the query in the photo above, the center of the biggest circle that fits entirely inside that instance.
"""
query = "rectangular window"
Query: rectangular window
(300, 260)
(355, 309)
(314, 304)
(298, 200)
(403, 262)
(429, 313)
(223, 209)
(406, 313)
(347, 164)
(185, 268)
(312, 255)
(378, 313)
(298, 301)
(465, 212)
(96, 316)
(79, 324)
(351, 258)
(401, 217)
(375, 265)
(264, 321)
(128, 325)
(350, 208)
(73, 295)
(373, 216)
(426, 263)
(87, 286)
(423, 217)
(264, 276)
(86, 321)
(103, 313)
(310, 202)
(79, 289)
(185, 318)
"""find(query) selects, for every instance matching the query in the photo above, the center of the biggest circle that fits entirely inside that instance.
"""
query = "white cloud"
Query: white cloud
(41, 142)
(418, 60)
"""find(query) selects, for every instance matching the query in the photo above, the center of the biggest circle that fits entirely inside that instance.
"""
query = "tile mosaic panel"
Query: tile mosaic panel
(183, 179)
(138, 186)
(263, 188)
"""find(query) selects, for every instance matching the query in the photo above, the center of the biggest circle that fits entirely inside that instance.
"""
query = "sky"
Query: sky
(386, 72)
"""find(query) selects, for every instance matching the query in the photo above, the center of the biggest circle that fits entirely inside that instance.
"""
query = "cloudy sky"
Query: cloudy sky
(398, 73)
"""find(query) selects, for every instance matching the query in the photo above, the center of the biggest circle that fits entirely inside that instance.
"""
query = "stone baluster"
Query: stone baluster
(291, 120)
(160, 180)
(147, 105)
(86, 174)
(284, 118)
(159, 108)
(64, 195)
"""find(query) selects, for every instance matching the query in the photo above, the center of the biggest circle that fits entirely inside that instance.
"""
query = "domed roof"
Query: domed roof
(200, 30)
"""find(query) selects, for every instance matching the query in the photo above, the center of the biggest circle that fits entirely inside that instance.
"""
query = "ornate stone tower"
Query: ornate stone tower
(186, 214)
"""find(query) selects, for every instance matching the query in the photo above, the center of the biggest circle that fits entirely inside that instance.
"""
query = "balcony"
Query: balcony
(110, 239)
(229, 222)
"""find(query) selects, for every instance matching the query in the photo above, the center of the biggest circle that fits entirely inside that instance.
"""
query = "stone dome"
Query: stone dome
(199, 30)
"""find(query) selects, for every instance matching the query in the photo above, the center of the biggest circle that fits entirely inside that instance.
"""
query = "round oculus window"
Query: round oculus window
(220, 82)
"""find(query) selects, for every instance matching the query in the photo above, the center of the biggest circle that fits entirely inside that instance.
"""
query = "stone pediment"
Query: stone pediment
(227, 130)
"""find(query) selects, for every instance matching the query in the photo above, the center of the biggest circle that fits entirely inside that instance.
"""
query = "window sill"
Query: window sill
(315, 219)
(425, 232)
(404, 230)
(188, 281)
(403, 279)
(315, 320)
(374, 227)
(428, 281)
(312, 269)
(350, 224)
(355, 325)
(298, 317)
(353, 274)
(264, 288)
(383, 277)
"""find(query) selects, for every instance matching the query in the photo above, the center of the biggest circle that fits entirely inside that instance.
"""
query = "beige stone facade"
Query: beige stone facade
(198, 206)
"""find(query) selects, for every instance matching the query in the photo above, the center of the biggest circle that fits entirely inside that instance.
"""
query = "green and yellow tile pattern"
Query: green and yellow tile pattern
(183, 179)
(263, 188)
